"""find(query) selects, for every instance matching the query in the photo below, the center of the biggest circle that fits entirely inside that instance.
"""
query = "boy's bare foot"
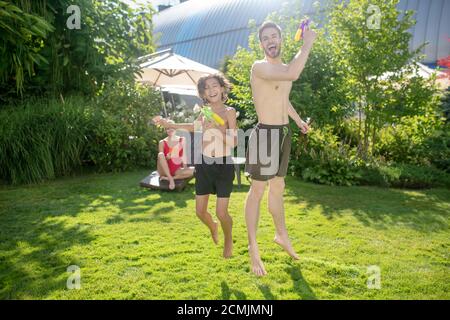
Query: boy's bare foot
(256, 262)
(286, 245)
(228, 248)
(215, 232)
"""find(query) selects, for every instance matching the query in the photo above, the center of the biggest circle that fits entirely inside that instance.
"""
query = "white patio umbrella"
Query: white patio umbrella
(166, 68)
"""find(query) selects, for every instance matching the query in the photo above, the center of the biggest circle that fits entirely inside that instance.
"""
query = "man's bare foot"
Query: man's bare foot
(286, 245)
(215, 233)
(228, 248)
(171, 183)
(256, 262)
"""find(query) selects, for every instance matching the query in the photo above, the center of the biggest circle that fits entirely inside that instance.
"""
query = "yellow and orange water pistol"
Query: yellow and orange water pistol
(301, 29)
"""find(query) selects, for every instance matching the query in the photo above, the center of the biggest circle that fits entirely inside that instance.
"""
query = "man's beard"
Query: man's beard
(276, 54)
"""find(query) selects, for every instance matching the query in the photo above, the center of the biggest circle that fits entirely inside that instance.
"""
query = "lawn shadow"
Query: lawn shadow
(301, 286)
(42, 268)
(227, 292)
(267, 293)
(35, 242)
(134, 201)
(424, 211)
(243, 189)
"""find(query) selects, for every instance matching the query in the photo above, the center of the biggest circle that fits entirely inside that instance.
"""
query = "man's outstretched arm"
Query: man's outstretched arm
(290, 72)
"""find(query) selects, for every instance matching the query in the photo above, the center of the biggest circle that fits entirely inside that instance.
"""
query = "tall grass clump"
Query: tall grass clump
(42, 139)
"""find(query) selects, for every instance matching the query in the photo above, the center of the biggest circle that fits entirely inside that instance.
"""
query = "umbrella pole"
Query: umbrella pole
(173, 102)
(163, 103)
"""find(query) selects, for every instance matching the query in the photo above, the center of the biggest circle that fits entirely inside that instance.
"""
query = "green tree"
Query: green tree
(22, 38)
(370, 44)
(111, 38)
(318, 93)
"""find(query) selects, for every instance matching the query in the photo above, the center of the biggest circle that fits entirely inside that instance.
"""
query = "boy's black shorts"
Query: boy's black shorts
(214, 176)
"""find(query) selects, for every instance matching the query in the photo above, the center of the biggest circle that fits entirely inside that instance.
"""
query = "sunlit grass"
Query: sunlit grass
(132, 243)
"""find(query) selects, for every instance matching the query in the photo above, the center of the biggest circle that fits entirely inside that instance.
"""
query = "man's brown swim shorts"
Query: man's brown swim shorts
(268, 151)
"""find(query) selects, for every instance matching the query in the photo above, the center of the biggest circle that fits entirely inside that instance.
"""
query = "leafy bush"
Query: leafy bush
(445, 105)
(321, 158)
(437, 147)
(404, 176)
(44, 139)
(120, 136)
(419, 140)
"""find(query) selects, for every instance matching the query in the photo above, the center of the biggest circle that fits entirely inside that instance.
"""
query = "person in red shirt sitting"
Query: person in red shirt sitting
(172, 162)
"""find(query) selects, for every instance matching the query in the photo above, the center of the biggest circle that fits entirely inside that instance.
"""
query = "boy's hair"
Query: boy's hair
(224, 83)
(266, 25)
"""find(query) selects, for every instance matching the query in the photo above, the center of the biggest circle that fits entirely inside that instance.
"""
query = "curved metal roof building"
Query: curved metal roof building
(208, 30)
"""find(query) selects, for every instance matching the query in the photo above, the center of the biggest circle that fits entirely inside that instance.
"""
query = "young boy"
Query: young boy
(215, 172)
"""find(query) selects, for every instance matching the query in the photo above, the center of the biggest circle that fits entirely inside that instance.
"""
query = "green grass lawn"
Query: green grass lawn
(133, 243)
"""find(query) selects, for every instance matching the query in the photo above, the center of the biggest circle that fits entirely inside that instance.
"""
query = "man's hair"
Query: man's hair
(266, 25)
(224, 83)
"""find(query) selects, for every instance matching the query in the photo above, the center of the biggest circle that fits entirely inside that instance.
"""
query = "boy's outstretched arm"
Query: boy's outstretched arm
(177, 126)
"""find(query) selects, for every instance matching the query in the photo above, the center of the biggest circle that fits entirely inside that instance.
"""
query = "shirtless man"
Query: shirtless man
(271, 83)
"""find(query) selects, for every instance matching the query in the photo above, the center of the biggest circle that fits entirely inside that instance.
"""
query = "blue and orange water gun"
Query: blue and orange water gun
(301, 29)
